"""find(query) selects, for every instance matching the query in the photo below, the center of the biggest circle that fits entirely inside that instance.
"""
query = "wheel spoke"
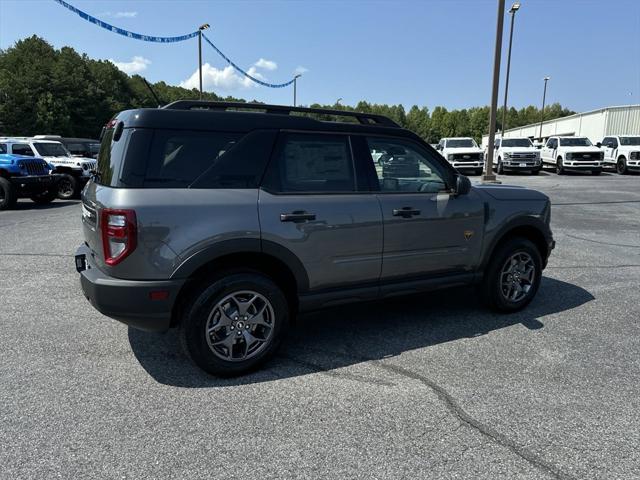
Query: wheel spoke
(243, 307)
(528, 274)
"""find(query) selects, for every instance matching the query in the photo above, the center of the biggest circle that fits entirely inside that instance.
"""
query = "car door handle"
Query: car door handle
(405, 212)
(297, 216)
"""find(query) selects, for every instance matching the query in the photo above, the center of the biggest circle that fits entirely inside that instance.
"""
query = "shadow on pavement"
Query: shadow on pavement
(29, 205)
(377, 330)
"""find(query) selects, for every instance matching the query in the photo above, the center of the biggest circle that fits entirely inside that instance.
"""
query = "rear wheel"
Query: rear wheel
(513, 275)
(560, 166)
(45, 197)
(621, 166)
(8, 196)
(67, 187)
(234, 323)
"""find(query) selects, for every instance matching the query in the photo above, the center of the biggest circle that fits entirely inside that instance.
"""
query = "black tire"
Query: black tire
(45, 197)
(536, 171)
(198, 309)
(500, 166)
(8, 196)
(621, 166)
(596, 172)
(67, 187)
(478, 172)
(492, 288)
(559, 166)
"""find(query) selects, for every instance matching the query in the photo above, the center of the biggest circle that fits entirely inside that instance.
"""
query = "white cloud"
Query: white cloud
(136, 65)
(266, 64)
(300, 70)
(224, 79)
(119, 14)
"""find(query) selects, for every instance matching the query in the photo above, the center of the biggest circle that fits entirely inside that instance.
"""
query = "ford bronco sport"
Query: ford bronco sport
(226, 220)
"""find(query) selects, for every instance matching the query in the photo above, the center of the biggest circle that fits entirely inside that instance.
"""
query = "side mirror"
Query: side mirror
(438, 147)
(598, 145)
(463, 185)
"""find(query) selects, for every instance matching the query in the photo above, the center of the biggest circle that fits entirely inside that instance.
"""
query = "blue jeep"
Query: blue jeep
(23, 176)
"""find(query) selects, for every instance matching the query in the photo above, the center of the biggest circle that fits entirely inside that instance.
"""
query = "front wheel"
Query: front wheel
(234, 323)
(621, 166)
(559, 166)
(67, 187)
(513, 276)
(500, 166)
(8, 196)
(596, 172)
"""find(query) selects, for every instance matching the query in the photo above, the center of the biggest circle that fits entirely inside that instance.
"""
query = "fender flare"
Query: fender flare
(244, 245)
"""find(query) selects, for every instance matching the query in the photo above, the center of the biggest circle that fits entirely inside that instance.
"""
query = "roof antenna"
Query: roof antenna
(152, 92)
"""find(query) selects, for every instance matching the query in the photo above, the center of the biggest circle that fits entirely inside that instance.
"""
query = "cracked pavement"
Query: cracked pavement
(430, 386)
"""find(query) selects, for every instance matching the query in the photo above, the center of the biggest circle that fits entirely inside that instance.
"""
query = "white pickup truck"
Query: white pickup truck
(572, 153)
(621, 152)
(516, 154)
(463, 153)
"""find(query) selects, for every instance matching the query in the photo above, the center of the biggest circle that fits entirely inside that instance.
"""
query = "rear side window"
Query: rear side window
(311, 163)
(22, 149)
(177, 157)
(3, 148)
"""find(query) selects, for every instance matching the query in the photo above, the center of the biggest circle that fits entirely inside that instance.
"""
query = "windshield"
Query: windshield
(516, 142)
(575, 142)
(462, 143)
(629, 140)
(94, 148)
(50, 149)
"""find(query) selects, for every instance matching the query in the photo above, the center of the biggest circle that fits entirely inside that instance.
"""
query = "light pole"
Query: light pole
(514, 8)
(488, 176)
(544, 96)
(338, 101)
(295, 81)
(202, 27)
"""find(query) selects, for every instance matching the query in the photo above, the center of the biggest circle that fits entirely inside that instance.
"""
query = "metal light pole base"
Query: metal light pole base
(490, 178)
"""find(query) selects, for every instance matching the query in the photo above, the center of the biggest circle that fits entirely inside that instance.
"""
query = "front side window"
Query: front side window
(3, 148)
(311, 163)
(50, 149)
(22, 149)
(404, 167)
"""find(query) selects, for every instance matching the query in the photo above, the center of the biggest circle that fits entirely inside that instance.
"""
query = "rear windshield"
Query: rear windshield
(146, 158)
(516, 142)
(50, 149)
(629, 141)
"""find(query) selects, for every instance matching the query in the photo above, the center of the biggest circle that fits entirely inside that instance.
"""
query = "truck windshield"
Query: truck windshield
(575, 142)
(629, 140)
(50, 149)
(462, 143)
(517, 142)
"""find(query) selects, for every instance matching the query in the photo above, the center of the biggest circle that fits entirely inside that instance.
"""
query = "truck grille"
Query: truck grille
(35, 167)
(524, 156)
(91, 165)
(586, 156)
(466, 157)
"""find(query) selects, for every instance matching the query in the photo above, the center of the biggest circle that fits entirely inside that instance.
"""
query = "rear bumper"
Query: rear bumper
(128, 301)
(34, 184)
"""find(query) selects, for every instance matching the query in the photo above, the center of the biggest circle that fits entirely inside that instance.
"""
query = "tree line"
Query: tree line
(49, 91)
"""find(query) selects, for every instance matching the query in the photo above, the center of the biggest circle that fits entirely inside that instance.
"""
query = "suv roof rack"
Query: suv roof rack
(363, 118)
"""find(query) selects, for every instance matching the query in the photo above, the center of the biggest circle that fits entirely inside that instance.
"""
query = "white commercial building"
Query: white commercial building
(595, 125)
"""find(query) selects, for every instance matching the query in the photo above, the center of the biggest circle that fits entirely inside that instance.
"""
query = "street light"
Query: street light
(488, 176)
(544, 95)
(202, 27)
(514, 8)
(294, 87)
(338, 101)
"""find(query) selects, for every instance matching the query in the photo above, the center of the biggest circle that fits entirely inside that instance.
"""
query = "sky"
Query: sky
(427, 53)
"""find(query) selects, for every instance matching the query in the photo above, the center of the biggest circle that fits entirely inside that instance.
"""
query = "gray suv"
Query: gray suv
(226, 220)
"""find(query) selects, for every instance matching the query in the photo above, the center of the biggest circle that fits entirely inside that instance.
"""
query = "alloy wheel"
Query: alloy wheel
(240, 326)
(517, 277)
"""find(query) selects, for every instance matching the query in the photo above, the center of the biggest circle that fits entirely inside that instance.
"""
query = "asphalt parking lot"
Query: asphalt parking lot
(432, 386)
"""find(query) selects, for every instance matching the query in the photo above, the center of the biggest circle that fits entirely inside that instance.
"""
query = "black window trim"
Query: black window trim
(276, 151)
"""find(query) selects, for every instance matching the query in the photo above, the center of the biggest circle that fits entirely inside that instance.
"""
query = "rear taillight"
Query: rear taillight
(119, 234)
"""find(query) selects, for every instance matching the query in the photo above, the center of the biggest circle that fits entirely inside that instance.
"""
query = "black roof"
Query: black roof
(242, 117)
(66, 139)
